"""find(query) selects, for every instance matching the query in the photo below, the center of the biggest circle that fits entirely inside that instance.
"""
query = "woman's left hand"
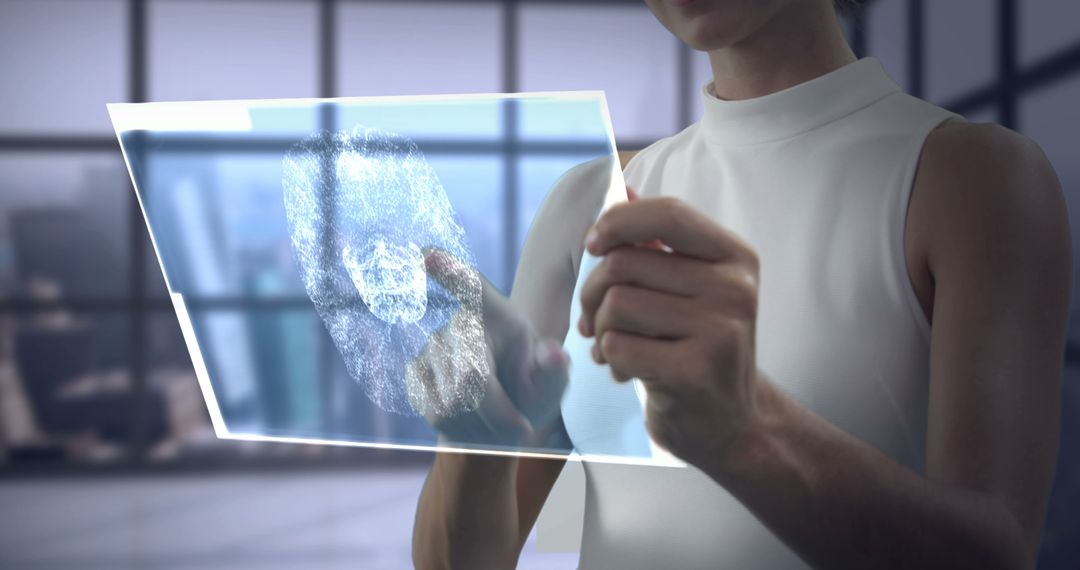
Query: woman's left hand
(674, 304)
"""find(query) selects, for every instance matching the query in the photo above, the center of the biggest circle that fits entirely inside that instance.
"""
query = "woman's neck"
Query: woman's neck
(801, 42)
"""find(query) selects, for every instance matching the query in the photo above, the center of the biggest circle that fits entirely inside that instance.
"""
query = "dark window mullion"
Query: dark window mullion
(511, 154)
(137, 90)
(327, 65)
(1006, 59)
(856, 20)
(916, 48)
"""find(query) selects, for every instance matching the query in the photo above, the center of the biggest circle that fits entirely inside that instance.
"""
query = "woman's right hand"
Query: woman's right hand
(524, 376)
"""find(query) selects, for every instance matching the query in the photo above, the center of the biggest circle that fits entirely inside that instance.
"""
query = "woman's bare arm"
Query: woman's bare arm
(988, 223)
(477, 511)
(988, 213)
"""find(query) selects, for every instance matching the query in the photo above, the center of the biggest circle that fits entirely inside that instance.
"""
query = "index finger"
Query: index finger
(447, 271)
(671, 221)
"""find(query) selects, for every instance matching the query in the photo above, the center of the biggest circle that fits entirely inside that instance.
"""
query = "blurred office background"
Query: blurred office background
(106, 455)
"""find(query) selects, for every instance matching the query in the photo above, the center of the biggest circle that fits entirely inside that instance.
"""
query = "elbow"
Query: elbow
(992, 539)
(1013, 549)
(424, 561)
(430, 540)
(426, 550)
(989, 553)
(1014, 557)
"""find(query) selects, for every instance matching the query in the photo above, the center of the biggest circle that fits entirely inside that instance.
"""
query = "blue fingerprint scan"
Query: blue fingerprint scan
(362, 207)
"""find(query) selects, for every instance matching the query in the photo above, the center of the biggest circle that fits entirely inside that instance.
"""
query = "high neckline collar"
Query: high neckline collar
(797, 109)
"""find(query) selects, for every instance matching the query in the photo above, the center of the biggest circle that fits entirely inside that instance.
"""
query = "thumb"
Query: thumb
(631, 195)
(546, 383)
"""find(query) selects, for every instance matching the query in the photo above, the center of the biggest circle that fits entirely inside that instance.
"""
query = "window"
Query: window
(63, 61)
(92, 290)
(394, 48)
(1047, 27)
(885, 29)
(1041, 114)
(620, 49)
(59, 159)
(64, 226)
(961, 45)
(207, 49)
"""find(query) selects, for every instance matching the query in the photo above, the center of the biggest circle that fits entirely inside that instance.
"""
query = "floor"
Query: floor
(238, 521)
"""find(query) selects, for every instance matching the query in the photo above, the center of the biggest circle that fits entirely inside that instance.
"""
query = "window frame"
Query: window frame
(1011, 82)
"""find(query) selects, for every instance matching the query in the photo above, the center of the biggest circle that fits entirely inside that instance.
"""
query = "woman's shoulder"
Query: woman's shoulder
(968, 159)
(984, 189)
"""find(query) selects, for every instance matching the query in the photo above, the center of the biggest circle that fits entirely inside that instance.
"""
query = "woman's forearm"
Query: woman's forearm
(467, 513)
(840, 503)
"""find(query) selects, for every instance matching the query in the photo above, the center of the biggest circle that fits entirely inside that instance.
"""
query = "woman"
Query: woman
(853, 334)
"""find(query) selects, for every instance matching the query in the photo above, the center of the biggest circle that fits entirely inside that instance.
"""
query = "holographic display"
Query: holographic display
(341, 269)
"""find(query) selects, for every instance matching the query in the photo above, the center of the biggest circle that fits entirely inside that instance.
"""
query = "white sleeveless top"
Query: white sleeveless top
(816, 179)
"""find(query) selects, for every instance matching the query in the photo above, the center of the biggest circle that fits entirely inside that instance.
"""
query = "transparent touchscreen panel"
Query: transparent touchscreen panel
(384, 271)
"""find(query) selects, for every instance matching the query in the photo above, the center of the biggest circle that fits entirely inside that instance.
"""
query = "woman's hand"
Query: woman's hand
(525, 376)
(674, 303)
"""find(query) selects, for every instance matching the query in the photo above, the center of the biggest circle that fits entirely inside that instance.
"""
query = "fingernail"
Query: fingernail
(596, 354)
(590, 239)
